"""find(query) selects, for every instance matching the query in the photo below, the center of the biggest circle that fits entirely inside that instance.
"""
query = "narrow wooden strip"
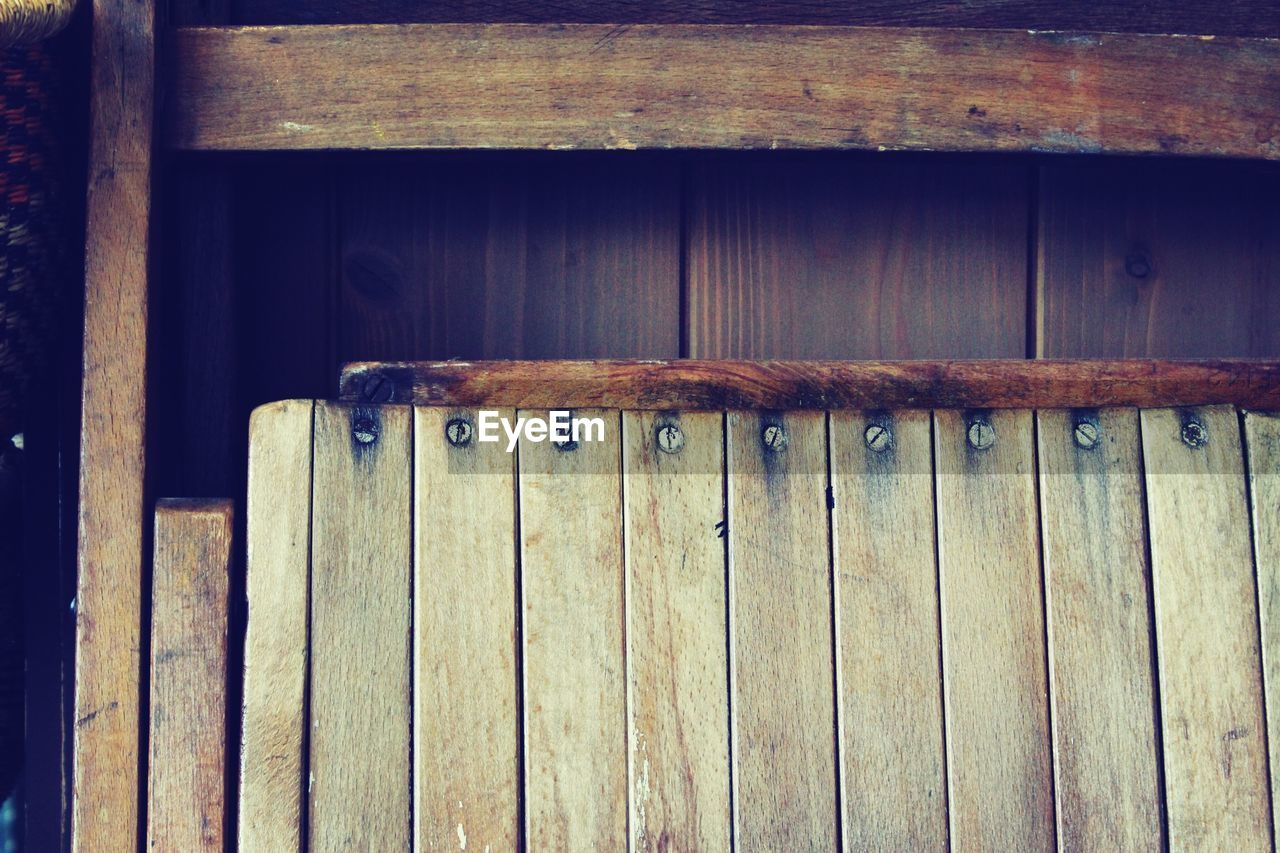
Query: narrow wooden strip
(891, 737)
(187, 766)
(1215, 754)
(465, 698)
(275, 644)
(784, 739)
(571, 571)
(998, 755)
(677, 654)
(1262, 437)
(718, 385)
(361, 545)
(1106, 751)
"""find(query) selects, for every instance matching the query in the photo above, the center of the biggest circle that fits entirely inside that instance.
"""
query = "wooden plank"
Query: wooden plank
(857, 258)
(187, 764)
(782, 667)
(361, 551)
(677, 653)
(571, 573)
(1098, 599)
(1215, 748)
(466, 687)
(644, 86)
(718, 385)
(277, 581)
(1262, 437)
(999, 767)
(889, 682)
(113, 510)
(1155, 259)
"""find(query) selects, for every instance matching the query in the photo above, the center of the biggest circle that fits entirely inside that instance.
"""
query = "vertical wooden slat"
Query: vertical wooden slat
(1262, 438)
(677, 655)
(1107, 783)
(465, 696)
(1215, 755)
(187, 772)
(781, 681)
(571, 571)
(361, 546)
(275, 645)
(891, 738)
(993, 645)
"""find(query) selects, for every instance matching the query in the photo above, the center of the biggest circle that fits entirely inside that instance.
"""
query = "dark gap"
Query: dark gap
(413, 609)
(521, 810)
(729, 625)
(834, 587)
(686, 312)
(304, 783)
(626, 612)
(1045, 628)
(942, 670)
(1033, 263)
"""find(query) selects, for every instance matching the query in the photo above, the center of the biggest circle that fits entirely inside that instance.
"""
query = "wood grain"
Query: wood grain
(893, 766)
(1262, 437)
(186, 808)
(361, 546)
(644, 86)
(571, 570)
(1098, 599)
(1215, 748)
(999, 765)
(781, 680)
(466, 687)
(277, 584)
(861, 257)
(677, 651)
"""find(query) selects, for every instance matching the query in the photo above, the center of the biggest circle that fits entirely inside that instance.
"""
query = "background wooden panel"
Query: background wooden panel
(1215, 753)
(1262, 436)
(893, 766)
(1098, 600)
(857, 257)
(780, 617)
(1140, 258)
(571, 571)
(466, 754)
(999, 766)
(361, 546)
(677, 652)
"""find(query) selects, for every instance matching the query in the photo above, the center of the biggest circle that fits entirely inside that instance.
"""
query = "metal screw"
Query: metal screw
(774, 437)
(378, 389)
(1138, 265)
(981, 434)
(458, 431)
(670, 438)
(1194, 434)
(365, 431)
(878, 438)
(1086, 435)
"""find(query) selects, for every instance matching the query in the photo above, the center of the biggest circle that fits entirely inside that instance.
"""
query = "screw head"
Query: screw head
(670, 438)
(878, 438)
(981, 434)
(774, 437)
(378, 389)
(1086, 435)
(365, 430)
(458, 431)
(1138, 265)
(1195, 434)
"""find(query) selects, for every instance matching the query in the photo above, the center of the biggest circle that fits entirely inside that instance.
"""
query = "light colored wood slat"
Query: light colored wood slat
(893, 766)
(677, 650)
(275, 643)
(187, 769)
(574, 669)
(1098, 598)
(993, 652)
(1262, 438)
(1215, 754)
(465, 697)
(781, 680)
(361, 559)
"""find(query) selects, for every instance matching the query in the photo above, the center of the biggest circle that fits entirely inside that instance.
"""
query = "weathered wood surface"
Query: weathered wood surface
(1210, 675)
(1097, 602)
(719, 385)
(893, 779)
(277, 585)
(677, 657)
(186, 797)
(645, 86)
(1262, 437)
(466, 757)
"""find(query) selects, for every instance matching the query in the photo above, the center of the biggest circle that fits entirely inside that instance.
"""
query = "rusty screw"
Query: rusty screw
(458, 431)
(1086, 435)
(878, 438)
(1194, 434)
(982, 435)
(670, 438)
(774, 437)
(365, 431)
(378, 389)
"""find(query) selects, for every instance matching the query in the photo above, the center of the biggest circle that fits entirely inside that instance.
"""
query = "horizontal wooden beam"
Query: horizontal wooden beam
(711, 86)
(693, 385)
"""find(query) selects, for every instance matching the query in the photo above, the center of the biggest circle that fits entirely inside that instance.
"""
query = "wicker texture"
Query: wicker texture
(25, 22)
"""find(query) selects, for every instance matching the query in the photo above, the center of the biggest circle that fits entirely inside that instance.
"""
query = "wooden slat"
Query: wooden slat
(677, 654)
(1262, 437)
(719, 385)
(993, 644)
(187, 765)
(466, 688)
(571, 573)
(361, 547)
(893, 777)
(1215, 752)
(1098, 599)
(781, 681)
(601, 86)
(273, 722)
